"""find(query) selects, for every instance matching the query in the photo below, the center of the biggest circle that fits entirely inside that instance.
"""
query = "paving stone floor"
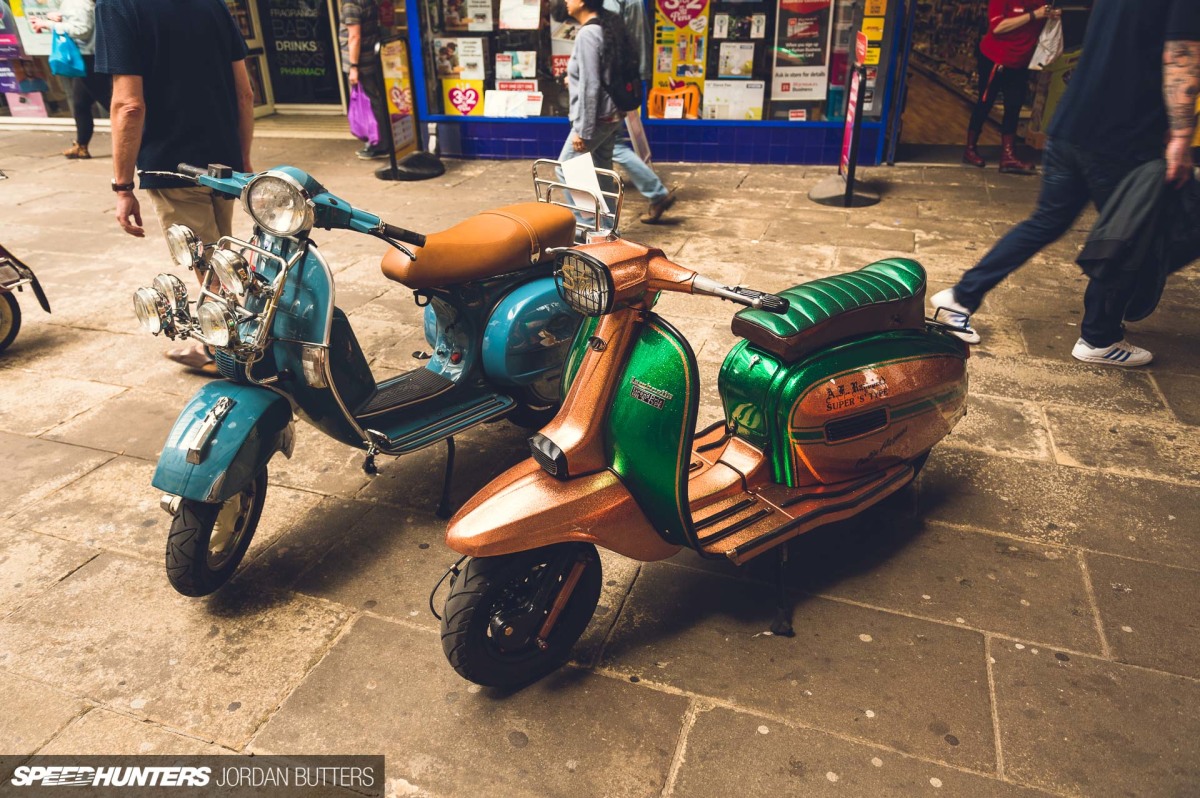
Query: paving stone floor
(1022, 621)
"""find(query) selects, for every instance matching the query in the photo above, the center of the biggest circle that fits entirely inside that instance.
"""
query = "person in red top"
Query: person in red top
(1013, 30)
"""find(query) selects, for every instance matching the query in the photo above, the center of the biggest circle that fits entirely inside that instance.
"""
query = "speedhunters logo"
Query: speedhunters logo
(68, 776)
(228, 776)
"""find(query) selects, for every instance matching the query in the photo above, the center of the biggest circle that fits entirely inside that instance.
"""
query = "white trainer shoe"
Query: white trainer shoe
(957, 318)
(1122, 354)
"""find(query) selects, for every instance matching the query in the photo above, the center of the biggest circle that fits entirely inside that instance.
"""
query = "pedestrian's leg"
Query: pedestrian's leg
(373, 85)
(988, 89)
(1014, 86)
(1063, 196)
(222, 208)
(640, 174)
(81, 101)
(1104, 303)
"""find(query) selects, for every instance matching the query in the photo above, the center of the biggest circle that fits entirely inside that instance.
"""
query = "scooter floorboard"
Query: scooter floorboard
(743, 526)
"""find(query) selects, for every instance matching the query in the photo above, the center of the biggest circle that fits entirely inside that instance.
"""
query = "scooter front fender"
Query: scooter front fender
(256, 424)
(526, 508)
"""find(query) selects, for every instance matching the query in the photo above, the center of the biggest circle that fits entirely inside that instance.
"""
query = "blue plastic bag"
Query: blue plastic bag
(362, 119)
(65, 59)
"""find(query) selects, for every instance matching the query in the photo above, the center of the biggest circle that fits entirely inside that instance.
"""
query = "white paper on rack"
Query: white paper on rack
(580, 172)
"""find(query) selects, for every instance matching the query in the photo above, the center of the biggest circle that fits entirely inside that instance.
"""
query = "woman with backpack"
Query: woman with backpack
(600, 45)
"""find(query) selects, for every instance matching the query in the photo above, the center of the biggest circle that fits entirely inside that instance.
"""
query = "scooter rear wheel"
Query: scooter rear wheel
(208, 541)
(493, 593)
(10, 319)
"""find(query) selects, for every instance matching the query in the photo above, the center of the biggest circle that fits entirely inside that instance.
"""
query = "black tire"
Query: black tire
(532, 418)
(489, 585)
(919, 462)
(193, 568)
(10, 319)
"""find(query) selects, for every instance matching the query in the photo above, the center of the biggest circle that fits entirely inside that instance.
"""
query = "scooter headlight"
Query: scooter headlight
(176, 293)
(278, 204)
(153, 310)
(232, 271)
(217, 324)
(584, 283)
(187, 251)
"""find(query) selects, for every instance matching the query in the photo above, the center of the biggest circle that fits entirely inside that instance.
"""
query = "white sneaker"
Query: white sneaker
(954, 316)
(1122, 354)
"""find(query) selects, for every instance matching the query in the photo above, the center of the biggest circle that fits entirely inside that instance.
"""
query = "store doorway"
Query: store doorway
(942, 85)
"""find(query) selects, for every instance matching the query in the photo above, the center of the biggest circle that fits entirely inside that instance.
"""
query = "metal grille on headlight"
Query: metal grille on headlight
(584, 283)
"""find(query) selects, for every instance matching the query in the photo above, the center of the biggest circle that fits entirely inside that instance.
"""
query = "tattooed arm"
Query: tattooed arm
(1181, 86)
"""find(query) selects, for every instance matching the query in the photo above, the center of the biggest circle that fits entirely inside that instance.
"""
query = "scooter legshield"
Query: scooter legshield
(528, 334)
(258, 424)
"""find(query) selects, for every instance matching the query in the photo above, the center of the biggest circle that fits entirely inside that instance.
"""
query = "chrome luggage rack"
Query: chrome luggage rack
(548, 185)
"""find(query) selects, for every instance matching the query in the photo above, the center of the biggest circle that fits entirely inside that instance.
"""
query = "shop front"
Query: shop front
(755, 81)
(294, 60)
(750, 81)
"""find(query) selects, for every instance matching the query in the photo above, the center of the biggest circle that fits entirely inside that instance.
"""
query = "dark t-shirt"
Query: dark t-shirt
(184, 51)
(1114, 103)
(366, 14)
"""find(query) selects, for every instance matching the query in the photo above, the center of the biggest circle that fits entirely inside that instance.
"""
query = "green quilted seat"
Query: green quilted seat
(887, 295)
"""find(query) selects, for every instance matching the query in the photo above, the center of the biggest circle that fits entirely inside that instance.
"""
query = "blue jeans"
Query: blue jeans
(601, 147)
(640, 174)
(1071, 177)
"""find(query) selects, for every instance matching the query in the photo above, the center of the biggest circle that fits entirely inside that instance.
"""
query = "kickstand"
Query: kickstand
(443, 510)
(782, 625)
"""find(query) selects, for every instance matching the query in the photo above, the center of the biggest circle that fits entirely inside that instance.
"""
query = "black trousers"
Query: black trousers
(373, 85)
(86, 91)
(995, 80)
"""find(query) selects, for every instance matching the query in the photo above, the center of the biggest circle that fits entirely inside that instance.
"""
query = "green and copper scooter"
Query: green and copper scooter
(833, 400)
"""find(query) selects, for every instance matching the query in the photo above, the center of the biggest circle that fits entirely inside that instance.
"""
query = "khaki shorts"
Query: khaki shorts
(209, 215)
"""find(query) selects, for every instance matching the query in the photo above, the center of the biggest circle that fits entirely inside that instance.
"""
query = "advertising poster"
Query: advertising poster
(680, 43)
(802, 46)
(33, 43)
(454, 15)
(516, 65)
(520, 14)
(241, 15)
(739, 26)
(479, 15)
(733, 99)
(397, 82)
(300, 52)
(462, 97)
(10, 39)
(459, 58)
(8, 79)
(562, 44)
(736, 61)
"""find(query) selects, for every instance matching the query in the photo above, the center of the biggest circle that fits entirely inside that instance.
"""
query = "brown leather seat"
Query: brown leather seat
(490, 243)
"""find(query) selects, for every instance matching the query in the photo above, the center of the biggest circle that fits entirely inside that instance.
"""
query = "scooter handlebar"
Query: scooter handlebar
(759, 300)
(405, 236)
(192, 171)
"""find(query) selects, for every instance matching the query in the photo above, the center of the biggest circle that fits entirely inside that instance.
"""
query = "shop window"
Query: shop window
(744, 60)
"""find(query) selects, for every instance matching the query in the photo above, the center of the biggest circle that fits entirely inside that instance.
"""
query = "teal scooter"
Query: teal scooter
(497, 330)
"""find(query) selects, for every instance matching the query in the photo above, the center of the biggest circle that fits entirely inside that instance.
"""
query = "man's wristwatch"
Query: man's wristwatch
(122, 186)
(354, 66)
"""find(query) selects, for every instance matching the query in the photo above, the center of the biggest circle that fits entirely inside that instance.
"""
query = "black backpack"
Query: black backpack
(626, 86)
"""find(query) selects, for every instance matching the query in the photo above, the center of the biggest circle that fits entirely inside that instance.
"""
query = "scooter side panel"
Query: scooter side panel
(650, 426)
(528, 333)
(258, 425)
(578, 349)
(865, 405)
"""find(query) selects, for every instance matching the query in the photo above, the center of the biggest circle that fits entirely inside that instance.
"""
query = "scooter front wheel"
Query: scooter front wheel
(10, 319)
(494, 627)
(207, 541)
